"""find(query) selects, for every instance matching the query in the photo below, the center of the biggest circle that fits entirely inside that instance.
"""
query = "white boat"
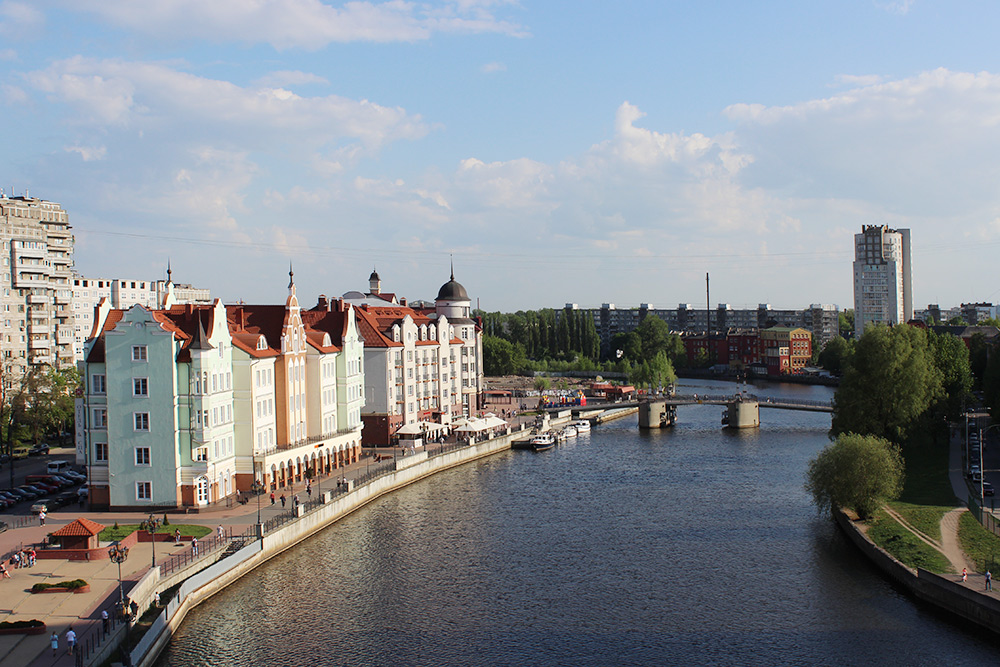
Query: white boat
(543, 441)
(581, 425)
(567, 432)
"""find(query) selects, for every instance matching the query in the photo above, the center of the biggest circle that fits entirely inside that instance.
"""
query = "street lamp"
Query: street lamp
(118, 554)
(152, 523)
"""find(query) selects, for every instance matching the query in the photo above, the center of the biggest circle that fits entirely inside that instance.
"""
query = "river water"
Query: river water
(692, 545)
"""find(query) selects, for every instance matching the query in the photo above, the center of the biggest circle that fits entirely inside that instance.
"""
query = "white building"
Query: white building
(882, 285)
(35, 283)
(123, 294)
(423, 365)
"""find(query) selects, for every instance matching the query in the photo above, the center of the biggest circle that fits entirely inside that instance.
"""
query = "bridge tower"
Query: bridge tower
(742, 414)
(656, 414)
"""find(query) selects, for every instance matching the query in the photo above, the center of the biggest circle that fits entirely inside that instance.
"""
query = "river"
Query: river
(692, 545)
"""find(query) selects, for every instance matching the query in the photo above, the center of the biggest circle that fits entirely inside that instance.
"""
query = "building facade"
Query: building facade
(123, 294)
(882, 282)
(423, 363)
(35, 284)
(186, 404)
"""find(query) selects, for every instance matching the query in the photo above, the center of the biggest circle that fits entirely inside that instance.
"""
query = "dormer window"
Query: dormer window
(395, 333)
(326, 340)
(261, 343)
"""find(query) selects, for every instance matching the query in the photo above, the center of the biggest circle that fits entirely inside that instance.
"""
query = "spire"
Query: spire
(291, 276)
(452, 266)
(169, 272)
(200, 340)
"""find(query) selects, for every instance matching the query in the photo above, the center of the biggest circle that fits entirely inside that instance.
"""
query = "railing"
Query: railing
(22, 521)
(206, 547)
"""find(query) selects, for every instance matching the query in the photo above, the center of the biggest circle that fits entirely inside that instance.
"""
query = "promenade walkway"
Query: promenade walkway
(82, 611)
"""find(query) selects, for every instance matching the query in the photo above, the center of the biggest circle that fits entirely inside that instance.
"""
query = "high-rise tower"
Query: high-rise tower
(882, 285)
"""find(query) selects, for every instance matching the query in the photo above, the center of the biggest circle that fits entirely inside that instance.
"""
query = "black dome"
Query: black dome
(452, 291)
(374, 276)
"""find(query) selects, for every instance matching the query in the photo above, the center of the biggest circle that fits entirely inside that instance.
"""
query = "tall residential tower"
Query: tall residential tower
(882, 286)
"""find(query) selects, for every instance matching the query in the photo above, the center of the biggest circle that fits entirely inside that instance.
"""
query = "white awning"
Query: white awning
(419, 428)
(473, 426)
(494, 421)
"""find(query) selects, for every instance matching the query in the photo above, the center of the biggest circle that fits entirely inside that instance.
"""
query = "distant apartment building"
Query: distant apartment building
(882, 279)
(122, 294)
(423, 362)
(786, 349)
(35, 283)
(821, 320)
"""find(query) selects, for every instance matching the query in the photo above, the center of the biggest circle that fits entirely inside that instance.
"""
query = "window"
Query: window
(202, 486)
(140, 387)
(98, 384)
(138, 353)
(141, 421)
(100, 452)
(100, 417)
(142, 456)
(143, 490)
(201, 454)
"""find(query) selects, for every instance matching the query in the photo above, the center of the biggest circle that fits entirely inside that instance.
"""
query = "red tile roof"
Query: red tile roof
(79, 528)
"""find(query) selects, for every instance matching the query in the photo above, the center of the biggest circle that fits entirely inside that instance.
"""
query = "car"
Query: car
(65, 498)
(72, 474)
(83, 492)
(46, 486)
(39, 450)
(9, 496)
(988, 489)
(977, 476)
(65, 482)
(17, 493)
(30, 493)
(39, 507)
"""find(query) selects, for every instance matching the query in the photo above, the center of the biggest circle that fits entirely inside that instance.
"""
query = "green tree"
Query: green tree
(501, 357)
(629, 343)
(654, 336)
(654, 373)
(979, 355)
(889, 384)
(846, 323)
(542, 383)
(835, 355)
(951, 357)
(857, 472)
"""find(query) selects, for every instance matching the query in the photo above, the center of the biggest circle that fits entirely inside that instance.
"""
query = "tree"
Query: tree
(951, 357)
(654, 336)
(845, 321)
(629, 343)
(541, 384)
(501, 357)
(857, 472)
(654, 373)
(889, 384)
(835, 355)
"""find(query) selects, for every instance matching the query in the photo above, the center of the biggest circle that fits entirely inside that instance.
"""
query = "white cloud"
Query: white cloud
(88, 153)
(8, 55)
(900, 7)
(855, 80)
(18, 19)
(289, 78)
(152, 95)
(304, 24)
(490, 68)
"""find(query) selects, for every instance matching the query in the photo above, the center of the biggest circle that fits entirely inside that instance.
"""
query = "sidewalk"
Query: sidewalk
(83, 611)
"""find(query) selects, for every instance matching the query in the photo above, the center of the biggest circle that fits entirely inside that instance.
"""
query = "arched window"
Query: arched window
(201, 486)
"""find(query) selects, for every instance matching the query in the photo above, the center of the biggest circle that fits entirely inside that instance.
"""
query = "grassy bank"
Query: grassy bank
(120, 532)
(906, 547)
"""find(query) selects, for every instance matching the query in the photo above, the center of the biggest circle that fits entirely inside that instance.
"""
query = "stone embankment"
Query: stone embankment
(951, 596)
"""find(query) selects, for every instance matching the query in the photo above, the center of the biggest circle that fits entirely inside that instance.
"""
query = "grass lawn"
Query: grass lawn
(110, 534)
(905, 546)
(927, 495)
(979, 544)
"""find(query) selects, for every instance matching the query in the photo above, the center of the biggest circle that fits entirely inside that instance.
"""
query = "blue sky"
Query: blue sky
(563, 151)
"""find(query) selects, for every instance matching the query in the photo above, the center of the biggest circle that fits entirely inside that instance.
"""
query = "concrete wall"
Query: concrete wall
(935, 589)
(216, 577)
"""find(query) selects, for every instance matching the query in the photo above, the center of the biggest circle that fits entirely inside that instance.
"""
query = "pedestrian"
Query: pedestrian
(989, 581)
(32, 555)
(71, 640)
(282, 500)
(272, 497)
(309, 491)
(4, 574)
(220, 532)
(54, 641)
(177, 536)
(194, 546)
(156, 598)
(104, 620)
(965, 574)
(295, 501)
(41, 518)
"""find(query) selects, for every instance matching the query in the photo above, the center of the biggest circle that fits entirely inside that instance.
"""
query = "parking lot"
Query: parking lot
(27, 484)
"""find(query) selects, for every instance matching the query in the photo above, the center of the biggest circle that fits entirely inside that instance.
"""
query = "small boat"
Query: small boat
(543, 441)
(567, 432)
(581, 425)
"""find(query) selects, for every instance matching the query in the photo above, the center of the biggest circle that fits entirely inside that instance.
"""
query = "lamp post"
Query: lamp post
(118, 554)
(152, 523)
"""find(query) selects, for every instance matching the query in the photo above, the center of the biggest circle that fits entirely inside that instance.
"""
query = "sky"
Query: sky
(555, 152)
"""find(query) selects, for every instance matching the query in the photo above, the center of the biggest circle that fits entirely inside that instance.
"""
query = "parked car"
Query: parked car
(9, 496)
(39, 507)
(83, 491)
(64, 498)
(40, 449)
(988, 489)
(17, 493)
(30, 493)
(72, 474)
(46, 486)
(66, 482)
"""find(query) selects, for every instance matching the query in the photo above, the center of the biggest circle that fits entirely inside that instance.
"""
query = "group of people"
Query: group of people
(22, 558)
(987, 578)
(70, 641)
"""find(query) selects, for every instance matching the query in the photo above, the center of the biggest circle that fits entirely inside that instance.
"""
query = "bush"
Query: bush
(33, 623)
(860, 472)
(166, 521)
(71, 585)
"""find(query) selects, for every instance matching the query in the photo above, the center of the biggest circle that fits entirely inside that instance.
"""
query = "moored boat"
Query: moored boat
(581, 426)
(567, 432)
(543, 441)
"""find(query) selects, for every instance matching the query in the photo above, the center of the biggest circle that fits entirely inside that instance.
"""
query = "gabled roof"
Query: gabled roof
(80, 528)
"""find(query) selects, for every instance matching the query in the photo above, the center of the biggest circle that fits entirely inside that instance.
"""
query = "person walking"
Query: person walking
(177, 536)
(282, 500)
(272, 497)
(965, 574)
(220, 532)
(989, 581)
(54, 641)
(4, 574)
(156, 598)
(41, 517)
(194, 546)
(32, 556)
(71, 640)
(104, 620)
